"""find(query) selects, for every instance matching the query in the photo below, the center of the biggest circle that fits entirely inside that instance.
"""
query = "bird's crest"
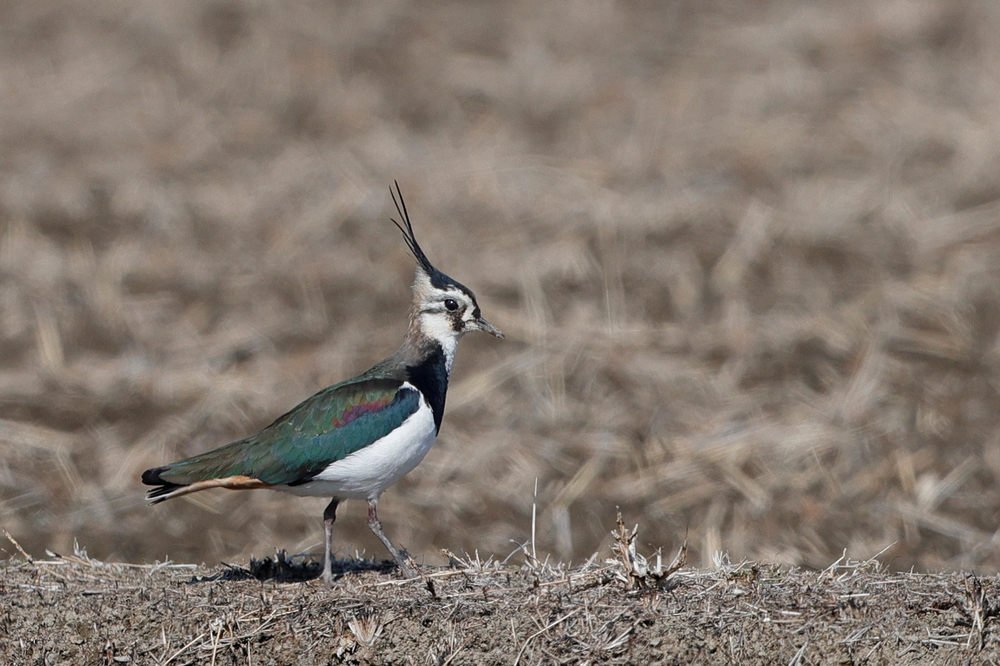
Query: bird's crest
(436, 277)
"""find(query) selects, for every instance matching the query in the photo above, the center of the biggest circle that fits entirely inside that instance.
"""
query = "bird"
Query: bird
(352, 440)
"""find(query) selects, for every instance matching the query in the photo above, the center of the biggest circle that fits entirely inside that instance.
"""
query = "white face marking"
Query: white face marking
(439, 322)
(438, 327)
(364, 474)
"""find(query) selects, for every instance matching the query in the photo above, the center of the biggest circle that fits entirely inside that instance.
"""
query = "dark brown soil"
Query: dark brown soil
(72, 610)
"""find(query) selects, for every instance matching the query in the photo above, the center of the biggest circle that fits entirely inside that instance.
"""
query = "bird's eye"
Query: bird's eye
(451, 304)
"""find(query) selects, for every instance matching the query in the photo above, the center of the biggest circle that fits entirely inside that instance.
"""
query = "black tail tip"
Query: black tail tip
(151, 477)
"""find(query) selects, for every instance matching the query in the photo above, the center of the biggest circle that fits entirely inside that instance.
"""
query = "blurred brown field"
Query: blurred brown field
(747, 256)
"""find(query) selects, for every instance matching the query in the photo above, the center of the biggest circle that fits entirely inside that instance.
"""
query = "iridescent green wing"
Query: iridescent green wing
(323, 429)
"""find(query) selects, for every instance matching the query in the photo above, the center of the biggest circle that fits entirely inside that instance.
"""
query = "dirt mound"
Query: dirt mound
(77, 610)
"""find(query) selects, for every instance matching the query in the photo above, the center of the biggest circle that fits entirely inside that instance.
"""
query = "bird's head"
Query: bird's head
(443, 309)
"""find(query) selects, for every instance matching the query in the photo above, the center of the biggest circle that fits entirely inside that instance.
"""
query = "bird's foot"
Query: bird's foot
(327, 579)
(405, 564)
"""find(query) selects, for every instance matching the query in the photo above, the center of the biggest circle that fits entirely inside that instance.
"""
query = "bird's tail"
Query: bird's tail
(167, 490)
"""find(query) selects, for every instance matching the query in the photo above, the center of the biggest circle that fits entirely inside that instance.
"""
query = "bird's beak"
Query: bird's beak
(480, 324)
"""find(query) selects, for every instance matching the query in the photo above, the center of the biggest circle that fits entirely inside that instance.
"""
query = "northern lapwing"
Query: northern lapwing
(356, 438)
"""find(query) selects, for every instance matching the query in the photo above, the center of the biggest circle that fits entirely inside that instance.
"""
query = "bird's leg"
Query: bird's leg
(329, 515)
(376, 526)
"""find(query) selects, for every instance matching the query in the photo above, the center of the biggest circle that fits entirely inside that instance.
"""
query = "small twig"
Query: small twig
(179, 652)
(216, 635)
(438, 574)
(541, 631)
(534, 507)
(978, 608)
(18, 546)
(797, 659)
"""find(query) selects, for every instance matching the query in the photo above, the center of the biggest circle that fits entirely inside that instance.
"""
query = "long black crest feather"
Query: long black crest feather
(438, 279)
(411, 240)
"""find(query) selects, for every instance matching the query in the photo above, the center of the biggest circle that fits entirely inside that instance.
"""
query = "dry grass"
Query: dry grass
(476, 612)
(746, 260)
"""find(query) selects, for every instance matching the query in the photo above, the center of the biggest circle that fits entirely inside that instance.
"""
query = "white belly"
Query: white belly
(366, 473)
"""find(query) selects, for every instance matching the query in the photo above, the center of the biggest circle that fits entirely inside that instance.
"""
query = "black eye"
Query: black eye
(451, 304)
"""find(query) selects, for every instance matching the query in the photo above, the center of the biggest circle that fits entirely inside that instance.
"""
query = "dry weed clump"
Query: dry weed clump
(636, 570)
(746, 256)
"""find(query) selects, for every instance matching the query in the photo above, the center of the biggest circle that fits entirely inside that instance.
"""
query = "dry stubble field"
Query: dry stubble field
(746, 255)
(74, 610)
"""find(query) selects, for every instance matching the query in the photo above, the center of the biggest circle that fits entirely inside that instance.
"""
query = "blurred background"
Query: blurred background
(747, 256)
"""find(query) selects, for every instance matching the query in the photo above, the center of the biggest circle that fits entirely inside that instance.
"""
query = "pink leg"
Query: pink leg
(376, 526)
(329, 515)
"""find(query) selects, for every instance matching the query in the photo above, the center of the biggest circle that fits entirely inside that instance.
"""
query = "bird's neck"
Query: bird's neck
(422, 337)
(426, 363)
